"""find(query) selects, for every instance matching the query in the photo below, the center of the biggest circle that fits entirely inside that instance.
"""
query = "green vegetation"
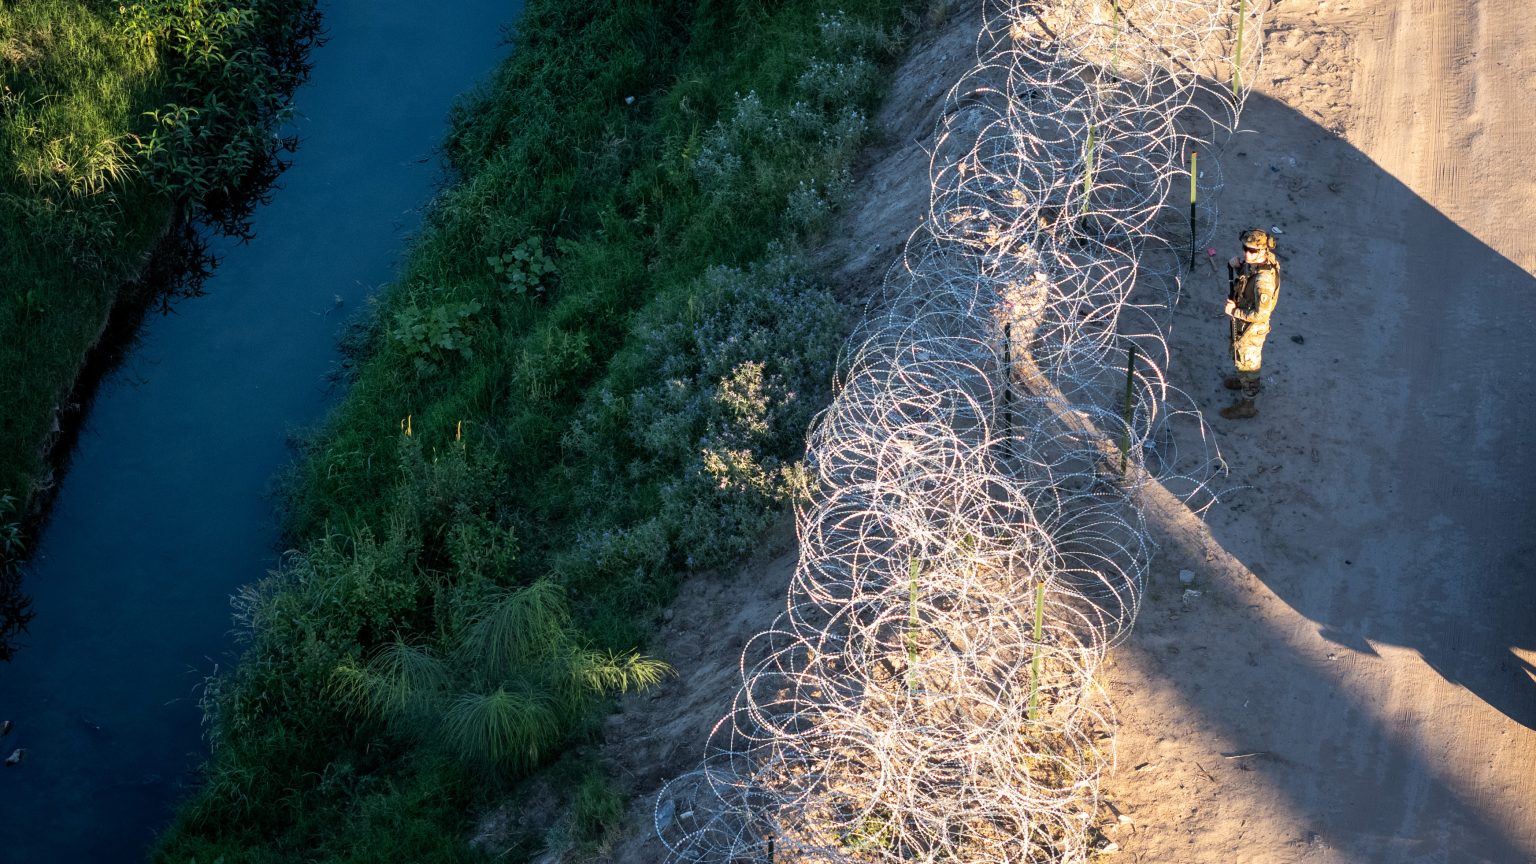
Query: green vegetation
(594, 374)
(114, 118)
(14, 614)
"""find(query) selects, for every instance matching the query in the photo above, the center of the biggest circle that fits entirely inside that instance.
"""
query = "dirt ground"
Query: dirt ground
(1357, 680)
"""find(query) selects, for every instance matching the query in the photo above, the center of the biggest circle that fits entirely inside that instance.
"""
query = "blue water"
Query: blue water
(166, 509)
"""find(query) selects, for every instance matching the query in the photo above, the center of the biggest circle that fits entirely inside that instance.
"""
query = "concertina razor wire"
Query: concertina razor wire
(974, 541)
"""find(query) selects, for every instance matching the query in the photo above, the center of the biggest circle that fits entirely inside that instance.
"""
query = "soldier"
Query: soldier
(1253, 286)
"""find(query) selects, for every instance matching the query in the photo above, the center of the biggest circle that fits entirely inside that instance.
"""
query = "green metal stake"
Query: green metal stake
(1194, 175)
(1114, 49)
(1034, 664)
(1008, 383)
(1130, 382)
(1237, 64)
(912, 634)
(1088, 174)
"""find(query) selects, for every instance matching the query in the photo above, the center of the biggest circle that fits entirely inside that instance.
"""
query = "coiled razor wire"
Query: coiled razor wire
(975, 541)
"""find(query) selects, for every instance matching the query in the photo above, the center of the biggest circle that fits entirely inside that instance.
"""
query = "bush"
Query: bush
(232, 64)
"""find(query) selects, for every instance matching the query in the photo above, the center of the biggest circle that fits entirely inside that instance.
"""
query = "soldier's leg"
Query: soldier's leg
(1248, 356)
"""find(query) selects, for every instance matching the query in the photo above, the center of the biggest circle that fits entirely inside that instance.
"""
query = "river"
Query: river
(167, 509)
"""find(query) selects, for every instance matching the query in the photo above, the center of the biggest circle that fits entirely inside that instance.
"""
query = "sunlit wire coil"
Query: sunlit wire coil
(975, 540)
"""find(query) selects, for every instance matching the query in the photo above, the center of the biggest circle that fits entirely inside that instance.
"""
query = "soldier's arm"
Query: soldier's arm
(1267, 288)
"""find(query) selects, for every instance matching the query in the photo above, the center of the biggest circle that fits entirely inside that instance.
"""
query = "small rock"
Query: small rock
(1275, 229)
(1109, 848)
(16, 757)
(1187, 577)
(629, 100)
(1298, 339)
(5, 728)
(668, 615)
(1124, 819)
(1190, 596)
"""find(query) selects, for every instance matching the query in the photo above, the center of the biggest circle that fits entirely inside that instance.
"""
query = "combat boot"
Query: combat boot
(1242, 409)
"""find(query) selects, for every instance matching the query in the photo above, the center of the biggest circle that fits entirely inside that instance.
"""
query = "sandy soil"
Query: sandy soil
(1357, 680)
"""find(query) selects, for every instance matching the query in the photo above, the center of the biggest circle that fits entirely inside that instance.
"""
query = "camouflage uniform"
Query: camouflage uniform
(1254, 290)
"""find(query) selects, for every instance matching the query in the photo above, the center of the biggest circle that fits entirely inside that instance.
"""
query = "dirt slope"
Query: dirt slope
(1355, 682)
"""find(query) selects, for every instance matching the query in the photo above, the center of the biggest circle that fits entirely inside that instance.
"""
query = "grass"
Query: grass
(593, 375)
(93, 177)
(73, 226)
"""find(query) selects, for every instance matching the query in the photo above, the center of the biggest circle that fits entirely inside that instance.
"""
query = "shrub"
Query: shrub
(231, 65)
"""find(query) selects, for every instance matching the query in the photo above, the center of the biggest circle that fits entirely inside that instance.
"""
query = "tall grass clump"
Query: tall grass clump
(592, 376)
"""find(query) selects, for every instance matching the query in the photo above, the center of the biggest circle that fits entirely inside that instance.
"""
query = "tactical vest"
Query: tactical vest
(1241, 284)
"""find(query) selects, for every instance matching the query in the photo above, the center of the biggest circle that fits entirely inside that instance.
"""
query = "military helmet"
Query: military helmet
(1257, 238)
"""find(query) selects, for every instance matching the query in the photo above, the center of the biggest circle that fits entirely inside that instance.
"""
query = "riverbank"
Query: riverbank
(614, 297)
(166, 509)
(121, 124)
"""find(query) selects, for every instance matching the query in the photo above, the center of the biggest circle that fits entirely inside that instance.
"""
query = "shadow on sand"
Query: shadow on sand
(1388, 502)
